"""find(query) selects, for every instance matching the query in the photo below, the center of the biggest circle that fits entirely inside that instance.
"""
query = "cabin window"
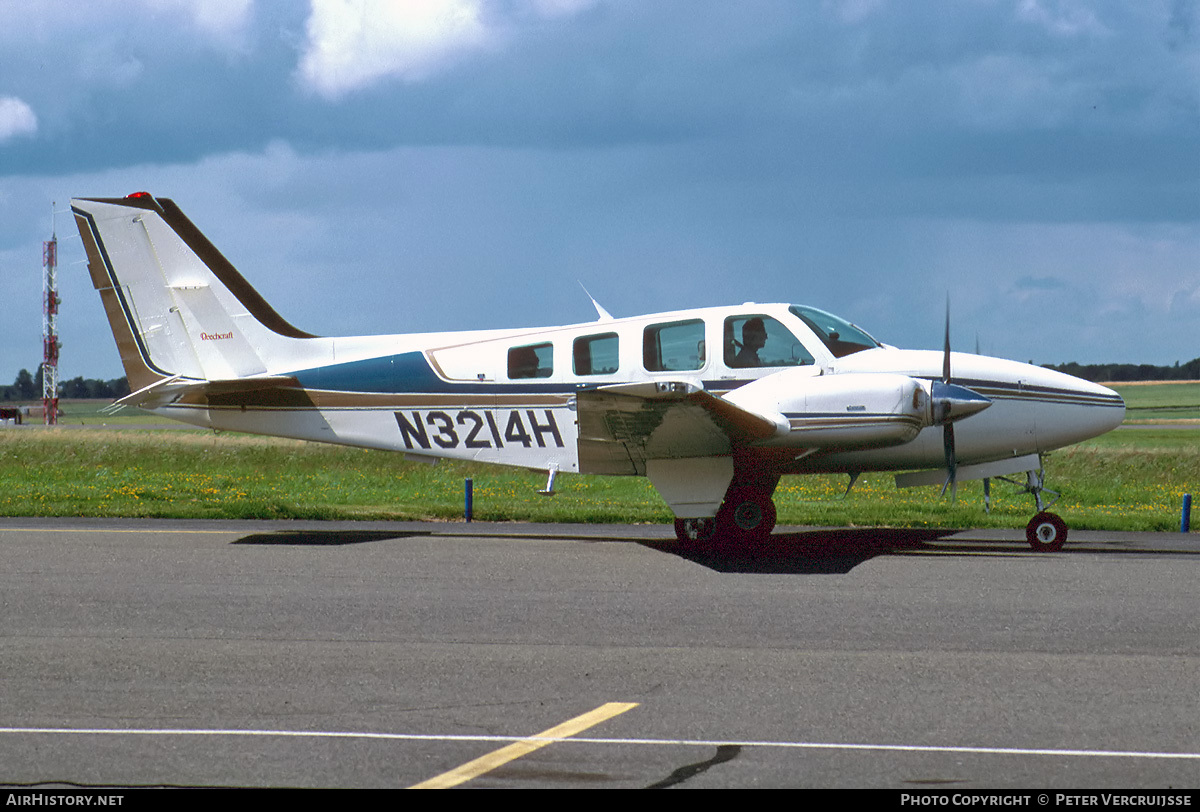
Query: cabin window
(595, 355)
(761, 341)
(531, 361)
(675, 346)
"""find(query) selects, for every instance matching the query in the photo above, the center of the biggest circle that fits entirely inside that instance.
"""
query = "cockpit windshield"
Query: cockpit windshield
(840, 336)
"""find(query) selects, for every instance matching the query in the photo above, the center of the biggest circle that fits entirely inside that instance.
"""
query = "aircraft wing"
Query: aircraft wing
(623, 425)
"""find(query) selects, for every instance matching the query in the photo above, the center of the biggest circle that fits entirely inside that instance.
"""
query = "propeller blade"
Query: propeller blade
(946, 351)
(951, 461)
(948, 414)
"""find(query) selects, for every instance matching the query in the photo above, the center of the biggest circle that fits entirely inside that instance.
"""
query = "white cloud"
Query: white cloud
(1065, 17)
(16, 118)
(352, 43)
(221, 18)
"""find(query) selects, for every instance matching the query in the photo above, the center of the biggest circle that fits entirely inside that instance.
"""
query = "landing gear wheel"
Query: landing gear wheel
(693, 530)
(746, 515)
(1046, 532)
(749, 512)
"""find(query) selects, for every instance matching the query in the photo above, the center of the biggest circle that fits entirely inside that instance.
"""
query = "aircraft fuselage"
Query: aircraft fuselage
(451, 395)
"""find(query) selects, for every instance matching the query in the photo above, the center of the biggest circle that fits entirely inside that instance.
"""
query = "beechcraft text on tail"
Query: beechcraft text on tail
(712, 404)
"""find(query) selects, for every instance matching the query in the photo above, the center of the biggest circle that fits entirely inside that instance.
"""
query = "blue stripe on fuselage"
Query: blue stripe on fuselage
(407, 372)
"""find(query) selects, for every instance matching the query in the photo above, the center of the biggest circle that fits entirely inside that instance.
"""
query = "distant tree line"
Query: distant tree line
(29, 387)
(1131, 372)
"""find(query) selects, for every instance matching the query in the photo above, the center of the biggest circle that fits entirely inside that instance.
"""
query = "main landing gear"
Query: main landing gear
(746, 516)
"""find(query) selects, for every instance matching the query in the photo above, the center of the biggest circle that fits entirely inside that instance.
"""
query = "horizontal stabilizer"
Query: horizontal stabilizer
(171, 390)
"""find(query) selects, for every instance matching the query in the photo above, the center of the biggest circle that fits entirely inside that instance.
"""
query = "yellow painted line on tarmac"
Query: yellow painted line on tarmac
(498, 758)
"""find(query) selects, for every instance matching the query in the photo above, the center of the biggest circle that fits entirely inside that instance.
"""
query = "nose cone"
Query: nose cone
(1112, 412)
(1075, 410)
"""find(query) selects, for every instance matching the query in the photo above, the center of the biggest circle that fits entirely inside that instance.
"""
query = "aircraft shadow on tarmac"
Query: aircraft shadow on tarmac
(324, 538)
(837, 551)
(833, 552)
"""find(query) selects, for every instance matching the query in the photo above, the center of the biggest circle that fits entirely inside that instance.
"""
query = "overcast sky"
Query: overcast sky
(377, 167)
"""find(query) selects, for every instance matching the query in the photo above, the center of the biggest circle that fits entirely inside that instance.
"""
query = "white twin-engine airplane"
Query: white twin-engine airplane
(712, 404)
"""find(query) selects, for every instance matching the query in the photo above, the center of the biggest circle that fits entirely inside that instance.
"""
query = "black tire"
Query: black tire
(748, 513)
(1046, 532)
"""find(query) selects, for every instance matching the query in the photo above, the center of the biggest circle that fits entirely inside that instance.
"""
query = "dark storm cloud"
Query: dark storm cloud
(988, 89)
(119, 87)
(866, 156)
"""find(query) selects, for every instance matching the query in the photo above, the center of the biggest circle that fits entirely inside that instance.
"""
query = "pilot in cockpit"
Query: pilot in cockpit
(754, 338)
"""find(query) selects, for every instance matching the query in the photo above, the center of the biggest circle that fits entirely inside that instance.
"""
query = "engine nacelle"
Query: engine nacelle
(848, 412)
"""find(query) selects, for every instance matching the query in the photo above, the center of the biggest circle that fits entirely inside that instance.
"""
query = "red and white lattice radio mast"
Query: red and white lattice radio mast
(50, 302)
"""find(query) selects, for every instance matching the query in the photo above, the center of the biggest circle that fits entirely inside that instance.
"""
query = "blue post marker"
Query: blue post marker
(1185, 518)
(468, 498)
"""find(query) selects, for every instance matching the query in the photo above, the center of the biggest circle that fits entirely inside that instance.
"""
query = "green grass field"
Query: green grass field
(1131, 479)
(1160, 401)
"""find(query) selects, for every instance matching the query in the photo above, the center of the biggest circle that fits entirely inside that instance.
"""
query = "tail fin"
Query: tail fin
(178, 309)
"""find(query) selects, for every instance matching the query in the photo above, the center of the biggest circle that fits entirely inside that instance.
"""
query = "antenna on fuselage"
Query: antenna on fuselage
(604, 314)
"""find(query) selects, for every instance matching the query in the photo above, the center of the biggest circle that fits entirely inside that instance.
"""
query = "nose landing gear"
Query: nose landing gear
(1046, 532)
